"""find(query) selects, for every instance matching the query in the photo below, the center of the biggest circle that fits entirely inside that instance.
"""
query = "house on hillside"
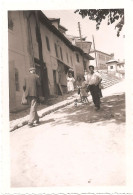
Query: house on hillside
(116, 68)
(36, 41)
(100, 59)
(120, 69)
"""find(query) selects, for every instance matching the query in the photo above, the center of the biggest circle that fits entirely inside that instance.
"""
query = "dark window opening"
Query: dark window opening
(16, 79)
(77, 57)
(71, 61)
(61, 53)
(10, 22)
(67, 57)
(56, 50)
(111, 67)
(47, 41)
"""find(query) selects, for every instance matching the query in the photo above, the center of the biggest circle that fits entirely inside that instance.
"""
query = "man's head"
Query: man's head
(32, 70)
(91, 69)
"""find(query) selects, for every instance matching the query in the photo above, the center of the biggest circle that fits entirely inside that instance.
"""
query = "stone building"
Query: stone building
(36, 41)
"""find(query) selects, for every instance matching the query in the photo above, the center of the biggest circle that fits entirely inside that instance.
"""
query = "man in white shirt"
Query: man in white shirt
(93, 79)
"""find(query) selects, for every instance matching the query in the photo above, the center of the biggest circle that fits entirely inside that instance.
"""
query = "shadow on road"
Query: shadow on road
(112, 108)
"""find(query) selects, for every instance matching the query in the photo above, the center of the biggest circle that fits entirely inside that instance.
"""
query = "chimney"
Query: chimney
(112, 56)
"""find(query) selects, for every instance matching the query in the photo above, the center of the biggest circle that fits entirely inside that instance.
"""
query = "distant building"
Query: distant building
(101, 58)
(116, 68)
(120, 69)
(112, 67)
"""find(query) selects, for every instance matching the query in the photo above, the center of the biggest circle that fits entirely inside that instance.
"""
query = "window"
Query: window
(77, 57)
(16, 79)
(47, 41)
(84, 65)
(56, 50)
(111, 67)
(67, 57)
(10, 22)
(61, 53)
(71, 60)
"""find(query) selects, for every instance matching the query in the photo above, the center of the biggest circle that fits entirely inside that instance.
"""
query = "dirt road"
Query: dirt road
(74, 146)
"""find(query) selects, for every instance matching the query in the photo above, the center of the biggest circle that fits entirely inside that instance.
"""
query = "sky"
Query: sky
(106, 39)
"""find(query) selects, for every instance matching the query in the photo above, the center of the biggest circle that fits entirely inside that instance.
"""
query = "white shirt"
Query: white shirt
(93, 79)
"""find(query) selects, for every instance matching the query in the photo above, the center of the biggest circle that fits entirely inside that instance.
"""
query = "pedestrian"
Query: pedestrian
(30, 86)
(93, 81)
(83, 91)
(78, 86)
(70, 83)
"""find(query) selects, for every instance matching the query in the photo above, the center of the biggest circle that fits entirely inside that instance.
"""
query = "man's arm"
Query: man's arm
(99, 79)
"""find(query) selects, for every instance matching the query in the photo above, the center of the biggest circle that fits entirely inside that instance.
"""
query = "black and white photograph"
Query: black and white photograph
(67, 97)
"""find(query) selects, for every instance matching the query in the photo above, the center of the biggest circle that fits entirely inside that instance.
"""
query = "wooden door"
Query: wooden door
(12, 90)
(55, 83)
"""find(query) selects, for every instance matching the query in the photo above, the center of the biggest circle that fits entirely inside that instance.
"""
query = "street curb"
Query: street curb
(42, 113)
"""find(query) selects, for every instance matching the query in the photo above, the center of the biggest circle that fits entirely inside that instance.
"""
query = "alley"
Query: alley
(73, 146)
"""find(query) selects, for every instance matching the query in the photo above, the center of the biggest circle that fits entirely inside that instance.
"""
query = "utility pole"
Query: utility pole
(81, 43)
(95, 52)
(80, 35)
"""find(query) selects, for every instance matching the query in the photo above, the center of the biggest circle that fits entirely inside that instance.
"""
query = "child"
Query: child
(83, 92)
(78, 85)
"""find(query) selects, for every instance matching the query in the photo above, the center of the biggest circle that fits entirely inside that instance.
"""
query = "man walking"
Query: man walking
(93, 79)
(30, 86)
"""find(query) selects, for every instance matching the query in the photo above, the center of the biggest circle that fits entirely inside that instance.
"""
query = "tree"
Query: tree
(99, 15)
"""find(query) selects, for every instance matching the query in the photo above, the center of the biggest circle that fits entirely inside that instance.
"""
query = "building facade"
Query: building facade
(19, 56)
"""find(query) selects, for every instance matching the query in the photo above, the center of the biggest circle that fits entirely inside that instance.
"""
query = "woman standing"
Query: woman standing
(70, 82)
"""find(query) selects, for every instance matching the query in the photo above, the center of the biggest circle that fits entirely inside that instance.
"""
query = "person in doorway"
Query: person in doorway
(30, 86)
(93, 79)
(70, 83)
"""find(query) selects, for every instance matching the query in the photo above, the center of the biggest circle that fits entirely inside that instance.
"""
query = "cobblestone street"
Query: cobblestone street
(73, 146)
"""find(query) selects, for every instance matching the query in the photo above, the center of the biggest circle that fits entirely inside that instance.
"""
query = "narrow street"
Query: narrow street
(74, 146)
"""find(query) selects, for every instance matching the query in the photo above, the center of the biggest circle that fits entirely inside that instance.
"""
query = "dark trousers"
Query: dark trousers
(33, 110)
(94, 90)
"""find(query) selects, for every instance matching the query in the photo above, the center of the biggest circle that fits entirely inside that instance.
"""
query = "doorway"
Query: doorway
(55, 83)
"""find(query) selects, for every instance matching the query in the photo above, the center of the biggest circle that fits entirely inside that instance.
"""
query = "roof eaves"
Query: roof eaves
(63, 27)
(88, 56)
(78, 49)
(100, 52)
(111, 61)
(43, 18)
